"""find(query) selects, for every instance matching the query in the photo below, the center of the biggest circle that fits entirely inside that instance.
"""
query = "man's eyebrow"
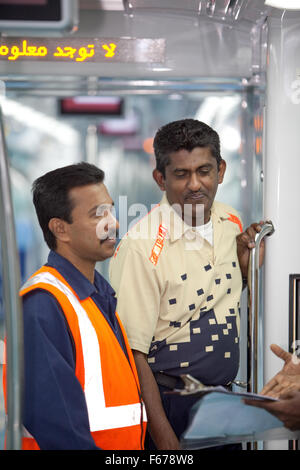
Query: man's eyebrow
(204, 165)
(98, 205)
(180, 169)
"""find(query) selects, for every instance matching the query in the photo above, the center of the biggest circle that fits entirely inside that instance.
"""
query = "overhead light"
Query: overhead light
(284, 4)
(117, 5)
(230, 138)
(120, 127)
(92, 105)
(39, 121)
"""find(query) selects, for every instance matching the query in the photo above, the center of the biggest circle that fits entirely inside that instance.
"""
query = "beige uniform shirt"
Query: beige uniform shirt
(178, 296)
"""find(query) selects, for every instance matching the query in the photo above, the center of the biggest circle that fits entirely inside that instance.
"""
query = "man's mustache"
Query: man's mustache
(110, 234)
(194, 194)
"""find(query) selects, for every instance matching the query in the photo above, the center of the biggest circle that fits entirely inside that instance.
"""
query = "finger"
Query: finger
(284, 385)
(244, 243)
(256, 227)
(252, 231)
(274, 392)
(248, 237)
(269, 386)
(243, 238)
(257, 403)
(289, 391)
(279, 388)
(281, 353)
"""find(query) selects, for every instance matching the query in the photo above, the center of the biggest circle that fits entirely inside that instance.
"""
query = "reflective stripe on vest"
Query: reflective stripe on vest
(101, 417)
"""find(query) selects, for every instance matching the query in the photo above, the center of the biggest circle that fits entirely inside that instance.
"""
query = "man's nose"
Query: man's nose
(194, 183)
(113, 222)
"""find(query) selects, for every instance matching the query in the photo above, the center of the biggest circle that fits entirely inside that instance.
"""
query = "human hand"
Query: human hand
(287, 409)
(288, 379)
(245, 243)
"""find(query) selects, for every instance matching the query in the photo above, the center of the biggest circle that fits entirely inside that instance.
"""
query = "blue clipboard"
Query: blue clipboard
(221, 417)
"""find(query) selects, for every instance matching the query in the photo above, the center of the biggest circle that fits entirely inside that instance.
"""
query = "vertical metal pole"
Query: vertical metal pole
(253, 285)
(91, 145)
(12, 304)
(254, 303)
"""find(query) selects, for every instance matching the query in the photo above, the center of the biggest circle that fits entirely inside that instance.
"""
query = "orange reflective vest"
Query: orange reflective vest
(117, 416)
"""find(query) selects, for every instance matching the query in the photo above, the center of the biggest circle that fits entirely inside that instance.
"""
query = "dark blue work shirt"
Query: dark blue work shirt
(55, 411)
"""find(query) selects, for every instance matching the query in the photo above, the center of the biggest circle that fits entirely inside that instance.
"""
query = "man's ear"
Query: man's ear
(221, 171)
(159, 178)
(59, 229)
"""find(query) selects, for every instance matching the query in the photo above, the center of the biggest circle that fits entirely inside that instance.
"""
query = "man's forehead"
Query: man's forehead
(92, 194)
(186, 158)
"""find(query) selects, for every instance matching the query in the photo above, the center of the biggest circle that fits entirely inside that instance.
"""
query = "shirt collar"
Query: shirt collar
(176, 226)
(79, 283)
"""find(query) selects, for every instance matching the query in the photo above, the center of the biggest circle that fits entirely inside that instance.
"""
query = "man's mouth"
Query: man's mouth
(195, 197)
(111, 241)
(109, 238)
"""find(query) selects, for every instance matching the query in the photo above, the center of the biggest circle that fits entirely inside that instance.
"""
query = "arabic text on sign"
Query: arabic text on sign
(16, 52)
(80, 50)
(83, 53)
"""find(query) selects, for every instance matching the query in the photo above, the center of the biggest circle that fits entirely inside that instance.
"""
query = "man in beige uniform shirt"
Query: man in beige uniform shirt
(178, 279)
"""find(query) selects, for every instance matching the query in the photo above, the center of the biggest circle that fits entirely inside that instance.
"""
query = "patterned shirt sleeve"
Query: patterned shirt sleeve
(138, 296)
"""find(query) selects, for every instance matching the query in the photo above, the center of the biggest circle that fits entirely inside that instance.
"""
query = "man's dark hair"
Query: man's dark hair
(51, 194)
(185, 134)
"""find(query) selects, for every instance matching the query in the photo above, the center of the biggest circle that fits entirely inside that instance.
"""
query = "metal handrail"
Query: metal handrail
(254, 302)
(12, 304)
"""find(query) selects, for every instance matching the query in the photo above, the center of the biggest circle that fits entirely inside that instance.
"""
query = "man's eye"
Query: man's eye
(102, 214)
(103, 211)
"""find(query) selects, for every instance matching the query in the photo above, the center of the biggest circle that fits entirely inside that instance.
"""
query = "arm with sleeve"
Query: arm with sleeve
(55, 411)
(138, 292)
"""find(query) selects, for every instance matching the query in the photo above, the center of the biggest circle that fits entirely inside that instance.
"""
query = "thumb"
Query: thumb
(281, 353)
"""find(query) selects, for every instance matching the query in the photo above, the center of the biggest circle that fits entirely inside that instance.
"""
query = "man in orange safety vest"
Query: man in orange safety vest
(81, 389)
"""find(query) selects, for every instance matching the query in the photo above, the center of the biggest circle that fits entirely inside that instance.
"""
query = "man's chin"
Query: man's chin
(107, 250)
